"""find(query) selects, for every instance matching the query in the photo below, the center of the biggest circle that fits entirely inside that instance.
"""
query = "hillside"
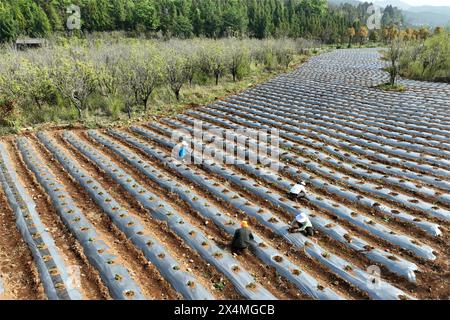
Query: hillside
(414, 15)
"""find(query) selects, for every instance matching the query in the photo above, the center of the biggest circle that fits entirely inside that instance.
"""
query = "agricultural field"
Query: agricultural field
(113, 214)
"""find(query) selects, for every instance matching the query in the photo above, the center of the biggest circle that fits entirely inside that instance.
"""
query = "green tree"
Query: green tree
(393, 55)
(9, 28)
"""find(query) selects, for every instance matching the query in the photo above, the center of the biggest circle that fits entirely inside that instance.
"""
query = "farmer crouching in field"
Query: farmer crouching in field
(302, 224)
(242, 238)
(298, 191)
(183, 151)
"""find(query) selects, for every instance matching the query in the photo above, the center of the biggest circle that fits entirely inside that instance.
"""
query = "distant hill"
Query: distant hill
(427, 18)
(414, 15)
(395, 3)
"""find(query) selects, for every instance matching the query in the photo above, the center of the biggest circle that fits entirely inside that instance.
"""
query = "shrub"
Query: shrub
(427, 59)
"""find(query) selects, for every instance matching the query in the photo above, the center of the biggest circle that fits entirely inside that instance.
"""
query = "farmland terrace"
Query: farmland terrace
(91, 214)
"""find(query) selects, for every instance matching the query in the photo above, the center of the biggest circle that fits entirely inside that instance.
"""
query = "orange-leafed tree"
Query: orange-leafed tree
(363, 34)
(350, 34)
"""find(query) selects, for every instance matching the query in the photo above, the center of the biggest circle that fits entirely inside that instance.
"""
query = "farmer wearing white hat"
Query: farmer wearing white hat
(297, 191)
(302, 224)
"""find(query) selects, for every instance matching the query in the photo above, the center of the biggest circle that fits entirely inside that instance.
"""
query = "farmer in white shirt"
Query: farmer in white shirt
(298, 191)
(302, 224)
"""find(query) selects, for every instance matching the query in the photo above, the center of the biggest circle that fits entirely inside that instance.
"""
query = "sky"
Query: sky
(427, 2)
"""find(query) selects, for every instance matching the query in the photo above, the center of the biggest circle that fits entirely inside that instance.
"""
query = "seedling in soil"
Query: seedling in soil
(278, 259)
(348, 268)
(219, 285)
(59, 286)
(251, 286)
(262, 245)
(393, 258)
(218, 255)
(54, 271)
(296, 272)
(348, 237)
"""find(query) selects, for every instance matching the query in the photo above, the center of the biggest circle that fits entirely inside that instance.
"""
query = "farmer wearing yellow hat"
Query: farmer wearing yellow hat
(242, 238)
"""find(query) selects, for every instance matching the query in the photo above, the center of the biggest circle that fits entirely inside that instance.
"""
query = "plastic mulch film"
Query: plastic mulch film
(429, 227)
(269, 255)
(339, 266)
(400, 266)
(415, 204)
(154, 251)
(51, 268)
(161, 210)
(115, 276)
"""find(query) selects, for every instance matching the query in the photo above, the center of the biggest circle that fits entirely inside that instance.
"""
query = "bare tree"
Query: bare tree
(107, 62)
(213, 59)
(237, 56)
(142, 73)
(75, 79)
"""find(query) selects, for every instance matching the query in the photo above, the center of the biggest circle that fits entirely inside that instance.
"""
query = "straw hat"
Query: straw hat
(244, 224)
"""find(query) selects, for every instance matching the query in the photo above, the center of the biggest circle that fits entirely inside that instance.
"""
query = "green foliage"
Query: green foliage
(187, 18)
(427, 59)
(393, 56)
(9, 27)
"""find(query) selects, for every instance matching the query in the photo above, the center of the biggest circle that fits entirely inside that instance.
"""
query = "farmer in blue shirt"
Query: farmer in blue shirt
(183, 150)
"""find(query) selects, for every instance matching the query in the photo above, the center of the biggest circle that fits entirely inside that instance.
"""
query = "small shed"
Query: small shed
(23, 44)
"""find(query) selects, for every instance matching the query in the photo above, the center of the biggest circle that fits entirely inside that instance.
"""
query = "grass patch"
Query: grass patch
(392, 88)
